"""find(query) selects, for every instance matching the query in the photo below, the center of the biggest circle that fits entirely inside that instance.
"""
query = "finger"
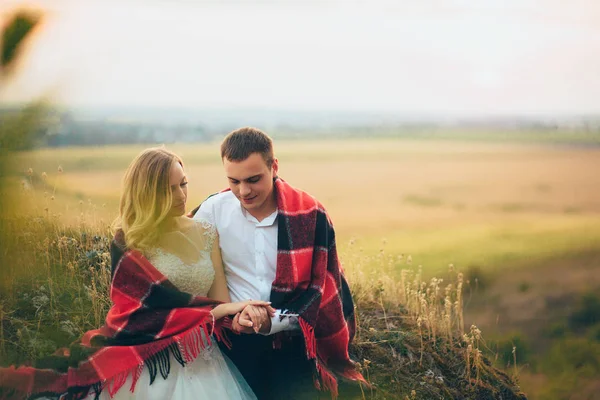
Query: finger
(264, 314)
(235, 325)
(255, 316)
(271, 310)
(259, 303)
(244, 319)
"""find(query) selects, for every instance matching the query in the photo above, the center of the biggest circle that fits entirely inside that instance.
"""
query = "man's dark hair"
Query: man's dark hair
(241, 143)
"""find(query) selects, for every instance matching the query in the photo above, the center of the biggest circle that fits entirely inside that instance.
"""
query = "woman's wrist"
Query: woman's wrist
(218, 312)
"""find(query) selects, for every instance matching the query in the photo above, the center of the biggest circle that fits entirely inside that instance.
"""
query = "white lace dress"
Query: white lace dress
(184, 257)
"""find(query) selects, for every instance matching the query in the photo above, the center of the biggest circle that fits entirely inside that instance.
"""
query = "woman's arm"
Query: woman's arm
(218, 290)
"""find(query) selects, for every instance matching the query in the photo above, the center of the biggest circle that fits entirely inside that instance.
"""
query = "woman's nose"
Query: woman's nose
(179, 194)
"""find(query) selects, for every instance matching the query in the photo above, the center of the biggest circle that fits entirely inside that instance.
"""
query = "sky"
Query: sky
(444, 57)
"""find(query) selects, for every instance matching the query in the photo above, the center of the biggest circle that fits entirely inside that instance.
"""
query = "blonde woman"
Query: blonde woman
(170, 303)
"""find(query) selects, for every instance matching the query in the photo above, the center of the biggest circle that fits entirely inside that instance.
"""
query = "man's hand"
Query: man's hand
(237, 327)
(254, 319)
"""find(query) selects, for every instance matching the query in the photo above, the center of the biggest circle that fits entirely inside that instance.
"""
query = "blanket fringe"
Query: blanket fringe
(309, 338)
(325, 379)
(185, 349)
(116, 382)
(328, 380)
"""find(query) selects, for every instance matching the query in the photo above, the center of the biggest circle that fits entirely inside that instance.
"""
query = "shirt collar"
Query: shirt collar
(268, 221)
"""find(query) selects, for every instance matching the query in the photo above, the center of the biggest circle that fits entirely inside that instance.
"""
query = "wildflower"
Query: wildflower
(63, 242)
(30, 171)
(439, 380)
(409, 259)
(40, 301)
(366, 363)
(60, 169)
(44, 176)
(68, 327)
(51, 197)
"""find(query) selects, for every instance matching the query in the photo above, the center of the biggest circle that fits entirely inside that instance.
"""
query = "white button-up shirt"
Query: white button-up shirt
(249, 251)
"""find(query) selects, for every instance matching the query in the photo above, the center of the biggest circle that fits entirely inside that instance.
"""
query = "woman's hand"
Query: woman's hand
(225, 309)
(256, 318)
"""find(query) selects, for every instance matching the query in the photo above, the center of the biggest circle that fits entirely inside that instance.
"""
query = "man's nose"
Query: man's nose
(244, 189)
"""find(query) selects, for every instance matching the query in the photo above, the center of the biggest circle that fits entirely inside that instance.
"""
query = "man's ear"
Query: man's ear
(275, 167)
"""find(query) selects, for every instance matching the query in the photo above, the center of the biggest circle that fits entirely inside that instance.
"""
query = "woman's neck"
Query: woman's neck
(170, 224)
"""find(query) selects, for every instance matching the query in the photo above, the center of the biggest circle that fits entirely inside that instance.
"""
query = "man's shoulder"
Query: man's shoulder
(217, 202)
(306, 200)
(219, 198)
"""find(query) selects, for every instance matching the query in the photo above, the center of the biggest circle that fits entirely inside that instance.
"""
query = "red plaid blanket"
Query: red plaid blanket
(310, 282)
(149, 319)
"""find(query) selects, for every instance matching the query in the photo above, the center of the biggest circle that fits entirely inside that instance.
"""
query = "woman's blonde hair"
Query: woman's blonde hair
(146, 197)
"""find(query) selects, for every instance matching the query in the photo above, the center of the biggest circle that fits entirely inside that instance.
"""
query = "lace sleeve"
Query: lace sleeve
(209, 232)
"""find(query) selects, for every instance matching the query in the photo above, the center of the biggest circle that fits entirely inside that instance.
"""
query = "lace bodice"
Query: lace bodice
(183, 257)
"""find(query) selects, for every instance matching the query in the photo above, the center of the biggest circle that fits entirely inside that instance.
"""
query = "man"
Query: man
(278, 244)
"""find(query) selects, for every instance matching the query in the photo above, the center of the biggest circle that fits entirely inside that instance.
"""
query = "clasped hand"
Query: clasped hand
(251, 316)
(253, 319)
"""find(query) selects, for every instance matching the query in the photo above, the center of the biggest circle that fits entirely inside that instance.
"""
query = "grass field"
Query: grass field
(522, 220)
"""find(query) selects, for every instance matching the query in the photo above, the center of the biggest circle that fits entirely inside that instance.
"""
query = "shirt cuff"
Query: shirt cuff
(283, 322)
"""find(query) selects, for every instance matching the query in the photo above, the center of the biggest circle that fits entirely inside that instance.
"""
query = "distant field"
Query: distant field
(485, 204)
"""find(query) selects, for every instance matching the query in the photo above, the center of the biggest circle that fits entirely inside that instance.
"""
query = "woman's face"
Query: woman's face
(178, 182)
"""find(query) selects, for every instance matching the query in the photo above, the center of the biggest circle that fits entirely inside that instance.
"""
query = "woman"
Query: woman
(169, 298)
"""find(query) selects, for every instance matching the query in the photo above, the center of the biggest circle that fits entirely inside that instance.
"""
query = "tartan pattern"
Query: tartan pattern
(149, 319)
(310, 282)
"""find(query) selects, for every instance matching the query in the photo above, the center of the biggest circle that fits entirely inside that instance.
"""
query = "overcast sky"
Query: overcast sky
(424, 56)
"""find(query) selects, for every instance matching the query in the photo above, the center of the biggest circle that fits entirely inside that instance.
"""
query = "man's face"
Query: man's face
(251, 181)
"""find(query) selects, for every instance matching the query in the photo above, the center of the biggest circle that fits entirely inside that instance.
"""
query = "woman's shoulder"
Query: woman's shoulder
(197, 226)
